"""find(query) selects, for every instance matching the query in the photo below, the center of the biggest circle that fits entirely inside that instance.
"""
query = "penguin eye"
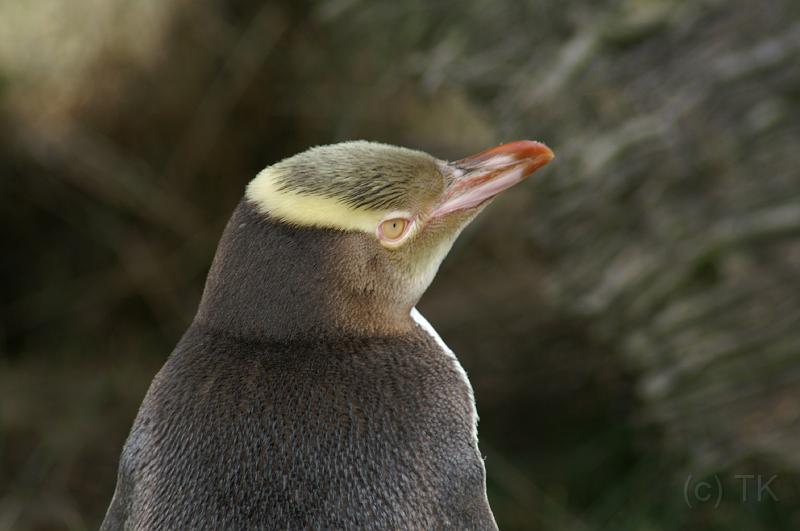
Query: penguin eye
(392, 229)
(392, 232)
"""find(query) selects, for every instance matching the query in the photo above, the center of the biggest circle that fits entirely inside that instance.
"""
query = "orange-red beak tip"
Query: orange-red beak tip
(484, 175)
(518, 151)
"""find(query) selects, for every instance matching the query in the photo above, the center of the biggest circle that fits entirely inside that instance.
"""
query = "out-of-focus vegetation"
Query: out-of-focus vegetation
(630, 318)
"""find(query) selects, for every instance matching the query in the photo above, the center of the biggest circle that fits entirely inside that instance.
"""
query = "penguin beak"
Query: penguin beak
(478, 178)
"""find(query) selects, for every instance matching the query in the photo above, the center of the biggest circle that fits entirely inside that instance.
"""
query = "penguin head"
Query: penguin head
(392, 213)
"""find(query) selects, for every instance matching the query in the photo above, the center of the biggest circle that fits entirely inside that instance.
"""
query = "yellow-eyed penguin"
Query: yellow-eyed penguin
(309, 393)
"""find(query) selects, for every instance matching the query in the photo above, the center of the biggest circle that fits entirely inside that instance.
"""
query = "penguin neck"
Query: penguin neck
(274, 281)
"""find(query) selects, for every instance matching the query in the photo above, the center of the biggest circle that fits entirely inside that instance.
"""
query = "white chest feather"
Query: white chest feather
(425, 325)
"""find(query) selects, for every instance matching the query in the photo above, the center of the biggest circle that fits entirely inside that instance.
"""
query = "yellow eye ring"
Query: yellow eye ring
(393, 231)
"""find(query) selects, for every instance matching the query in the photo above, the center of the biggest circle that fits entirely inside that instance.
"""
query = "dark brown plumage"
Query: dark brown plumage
(307, 393)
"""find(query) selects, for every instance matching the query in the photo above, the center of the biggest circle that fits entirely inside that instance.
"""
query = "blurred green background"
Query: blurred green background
(629, 318)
